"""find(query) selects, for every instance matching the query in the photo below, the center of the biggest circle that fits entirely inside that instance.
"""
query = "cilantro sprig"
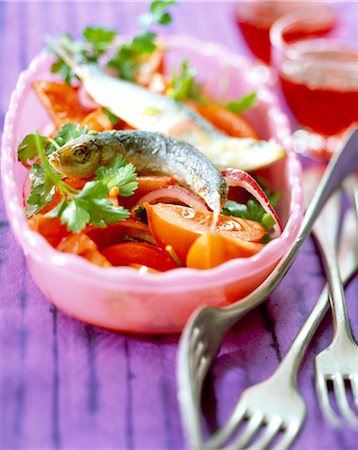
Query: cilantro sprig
(252, 210)
(76, 208)
(28, 148)
(130, 56)
(244, 103)
(184, 85)
(96, 42)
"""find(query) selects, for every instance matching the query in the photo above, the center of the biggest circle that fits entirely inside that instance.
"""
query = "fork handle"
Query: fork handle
(341, 326)
(291, 362)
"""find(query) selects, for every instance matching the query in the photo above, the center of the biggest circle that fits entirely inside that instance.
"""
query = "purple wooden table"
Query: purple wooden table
(68, 385)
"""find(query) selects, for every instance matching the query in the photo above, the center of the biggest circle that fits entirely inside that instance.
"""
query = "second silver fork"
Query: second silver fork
(275, 405)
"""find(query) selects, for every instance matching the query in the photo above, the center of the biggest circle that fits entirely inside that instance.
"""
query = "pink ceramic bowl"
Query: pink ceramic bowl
(121, 298)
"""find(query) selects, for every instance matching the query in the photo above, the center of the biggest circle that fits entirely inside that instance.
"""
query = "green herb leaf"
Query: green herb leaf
(246, 102)
(157, 13)
(184, 85)
(68, 132)
(42, 190)
(99, 39)
(118, 174)
(75, 216)
(64, 71)
(251, 211)
(78, 208)
(129, 57)
(27, 150)
(141, 213)
(112, 117)
(59, 66)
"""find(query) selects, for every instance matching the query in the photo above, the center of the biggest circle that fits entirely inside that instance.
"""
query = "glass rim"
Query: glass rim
(280, 25)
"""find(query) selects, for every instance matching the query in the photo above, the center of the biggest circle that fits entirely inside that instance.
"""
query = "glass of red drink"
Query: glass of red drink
(319, 79)
(255, 17)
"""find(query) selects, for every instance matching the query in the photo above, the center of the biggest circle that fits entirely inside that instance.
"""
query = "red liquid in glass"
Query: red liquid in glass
(324, 99)
(255, 20)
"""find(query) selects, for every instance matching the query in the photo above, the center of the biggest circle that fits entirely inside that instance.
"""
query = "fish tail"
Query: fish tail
(64, 49)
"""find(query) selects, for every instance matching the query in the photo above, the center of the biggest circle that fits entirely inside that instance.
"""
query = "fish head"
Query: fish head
(78, 158)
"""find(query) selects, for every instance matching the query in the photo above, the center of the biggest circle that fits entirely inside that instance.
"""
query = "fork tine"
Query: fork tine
(288, 437)
(202, 368)
(326, 408)
(269, 434)
(198, 353)
(246, 436)
(342, 401)
(221, 436)
(354, 384)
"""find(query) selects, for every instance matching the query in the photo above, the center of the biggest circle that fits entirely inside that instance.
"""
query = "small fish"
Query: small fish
(146, 110)
(151, 153)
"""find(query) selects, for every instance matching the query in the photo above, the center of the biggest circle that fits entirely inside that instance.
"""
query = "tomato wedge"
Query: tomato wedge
(97, 120)
(147, 184)
(113, 234)
(81, 245)
(152, 65)
(60, 101)
(128, 253)
(209, 250)
(180, 226)
(229, 122)
(50, 228)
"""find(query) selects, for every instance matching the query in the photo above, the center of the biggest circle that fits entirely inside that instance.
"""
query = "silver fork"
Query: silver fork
(275, 405)
(338, 363)
(199, 344)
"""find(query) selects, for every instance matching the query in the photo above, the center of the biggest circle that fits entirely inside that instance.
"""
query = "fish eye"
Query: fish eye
(82, 154)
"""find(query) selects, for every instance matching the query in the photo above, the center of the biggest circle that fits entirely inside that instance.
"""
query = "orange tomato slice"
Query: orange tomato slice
(209, 250)
(152, 64)
(50, 228)
(60, 101)
(180, 226)
(146, 184)
(80, 244)
(227, 121)
(139, 253)
(97, 120)
(113, 234)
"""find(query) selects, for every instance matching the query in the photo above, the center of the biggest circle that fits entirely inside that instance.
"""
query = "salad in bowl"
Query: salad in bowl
(144, 178)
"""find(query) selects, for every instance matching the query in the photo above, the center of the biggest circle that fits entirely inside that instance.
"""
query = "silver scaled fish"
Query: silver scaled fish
(151, 153)
(146, 110)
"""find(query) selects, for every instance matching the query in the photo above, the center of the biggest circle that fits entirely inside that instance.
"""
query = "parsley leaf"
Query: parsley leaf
(118, 174)
(112, 117)
(77, 208)
(27, 150)
(251, 211)
(97, 40)
(65, 72)
(42, 190)
(130, 56)
(184, 85)
(69, 131)
(91, 206)
(157, 13)
(59, 66)
(241, 105)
